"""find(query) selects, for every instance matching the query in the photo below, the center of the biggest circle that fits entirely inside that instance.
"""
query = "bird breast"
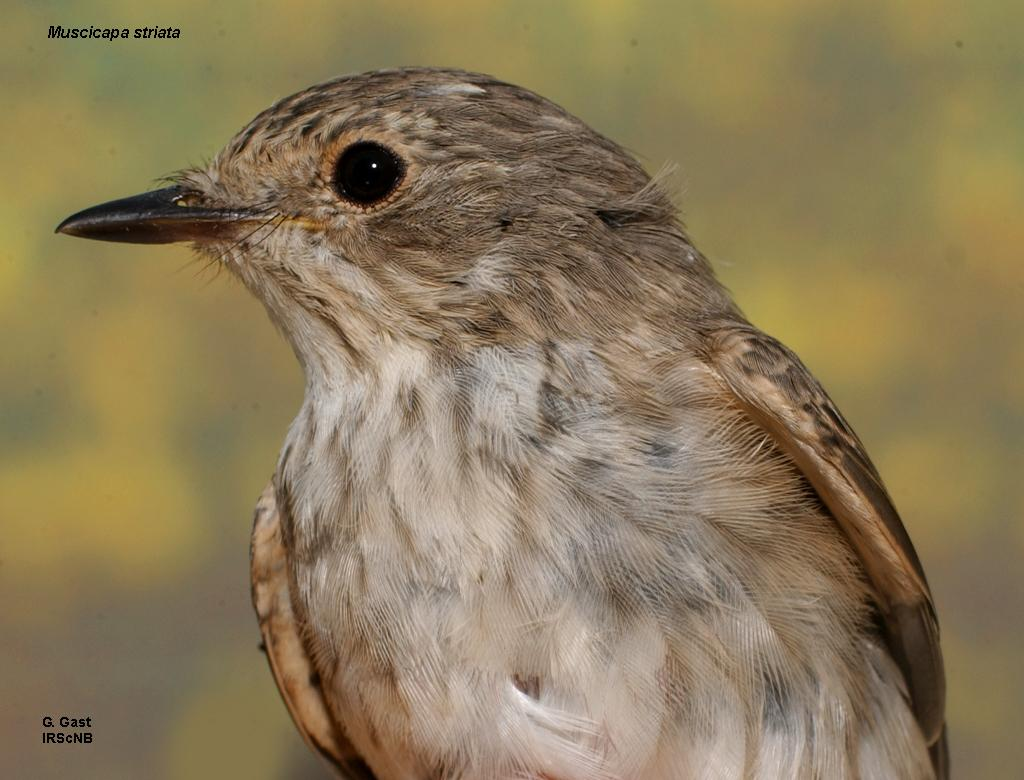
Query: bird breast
(508, 538)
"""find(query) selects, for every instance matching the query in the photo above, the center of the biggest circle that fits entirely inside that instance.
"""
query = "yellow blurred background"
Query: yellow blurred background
(855, 171)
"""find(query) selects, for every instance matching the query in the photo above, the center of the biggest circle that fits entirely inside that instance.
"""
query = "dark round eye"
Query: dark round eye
(367, 173)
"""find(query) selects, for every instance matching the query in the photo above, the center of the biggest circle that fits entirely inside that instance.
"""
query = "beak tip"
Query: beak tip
(81, 224)
(67, 227)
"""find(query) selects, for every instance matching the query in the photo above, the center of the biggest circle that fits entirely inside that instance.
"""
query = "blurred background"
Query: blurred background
(856, 174)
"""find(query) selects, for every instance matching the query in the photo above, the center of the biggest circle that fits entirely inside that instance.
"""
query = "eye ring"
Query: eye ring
(367, 173)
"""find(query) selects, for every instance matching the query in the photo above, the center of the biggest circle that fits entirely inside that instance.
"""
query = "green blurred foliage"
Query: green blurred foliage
(855, 171)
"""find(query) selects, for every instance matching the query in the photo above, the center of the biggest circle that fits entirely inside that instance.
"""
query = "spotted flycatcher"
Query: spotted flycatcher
(551, 508)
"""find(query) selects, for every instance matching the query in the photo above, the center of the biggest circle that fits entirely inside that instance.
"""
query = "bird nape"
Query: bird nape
(551, 507)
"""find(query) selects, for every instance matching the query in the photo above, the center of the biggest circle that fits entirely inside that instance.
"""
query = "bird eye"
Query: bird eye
(366, 173)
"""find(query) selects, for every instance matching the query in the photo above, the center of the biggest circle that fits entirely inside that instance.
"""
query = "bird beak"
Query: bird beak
(158, 217)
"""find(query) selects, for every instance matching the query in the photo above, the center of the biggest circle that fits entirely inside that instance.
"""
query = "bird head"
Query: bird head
(431, 205)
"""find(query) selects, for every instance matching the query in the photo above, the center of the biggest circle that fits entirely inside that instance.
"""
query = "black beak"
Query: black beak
(158, 217)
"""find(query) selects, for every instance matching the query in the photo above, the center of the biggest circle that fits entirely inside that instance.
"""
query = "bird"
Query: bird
(551, 508)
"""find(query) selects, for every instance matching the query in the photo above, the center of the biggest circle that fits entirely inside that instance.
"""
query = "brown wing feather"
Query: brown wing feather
(292, 669)
(779, 393)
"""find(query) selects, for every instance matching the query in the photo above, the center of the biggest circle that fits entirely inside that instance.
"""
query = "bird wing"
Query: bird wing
(290, 664)
(781, 396)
